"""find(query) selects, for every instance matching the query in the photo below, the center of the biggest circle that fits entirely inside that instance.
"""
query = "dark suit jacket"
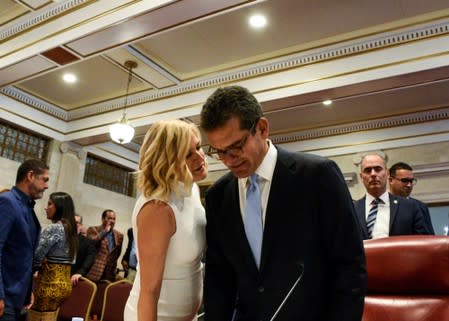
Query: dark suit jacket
(406, 218)
(426, 214)
(85, 256)
(130, 245)
(310, 228)
(17, 246)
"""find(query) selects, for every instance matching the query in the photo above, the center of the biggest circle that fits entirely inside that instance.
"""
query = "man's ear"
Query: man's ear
(264, 127)
(30, 175)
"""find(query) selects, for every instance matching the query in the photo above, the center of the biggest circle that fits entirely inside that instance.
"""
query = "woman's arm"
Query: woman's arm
(50, 235)
(155, 226)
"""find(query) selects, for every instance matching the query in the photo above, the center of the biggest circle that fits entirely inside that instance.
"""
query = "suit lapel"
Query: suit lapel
(394, 206)
(280, 185)
(360, 209)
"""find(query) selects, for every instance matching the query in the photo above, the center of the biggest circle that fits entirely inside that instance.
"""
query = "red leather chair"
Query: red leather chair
(408, 278)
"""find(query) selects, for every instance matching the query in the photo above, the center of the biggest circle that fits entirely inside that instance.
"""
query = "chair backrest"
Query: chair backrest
(79, 302)
(97, 305)
(408, 278)
(115, 297)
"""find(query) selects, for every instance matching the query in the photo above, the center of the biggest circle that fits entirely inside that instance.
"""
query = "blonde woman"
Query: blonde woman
(169, 225)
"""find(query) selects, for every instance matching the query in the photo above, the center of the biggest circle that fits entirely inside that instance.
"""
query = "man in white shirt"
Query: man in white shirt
(380, 213)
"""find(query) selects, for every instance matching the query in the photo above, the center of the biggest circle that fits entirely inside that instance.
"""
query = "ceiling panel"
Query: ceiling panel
(98, 80)
(10, 10)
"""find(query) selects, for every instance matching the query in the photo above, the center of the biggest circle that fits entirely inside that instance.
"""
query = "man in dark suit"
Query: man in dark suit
(129, 260)
(307, 262)
(380, 213)
(401, 181)
(19, 237)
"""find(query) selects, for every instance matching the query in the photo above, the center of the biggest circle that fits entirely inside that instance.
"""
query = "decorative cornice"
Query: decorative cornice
(38, 17)
(293, 61)
(318, 55)
(35, 18)
(388, 122)
(431, 170)
(35, 102)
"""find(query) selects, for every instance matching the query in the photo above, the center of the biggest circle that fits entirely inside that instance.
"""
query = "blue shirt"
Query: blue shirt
(133, 256)
(19, 236)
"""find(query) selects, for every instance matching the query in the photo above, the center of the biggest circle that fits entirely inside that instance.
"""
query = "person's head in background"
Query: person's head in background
(60, 207)
(80, 228)
(236, 129)
(373, 172)
(401, 179)
(108, 219)
(171, 154)
(32, 178)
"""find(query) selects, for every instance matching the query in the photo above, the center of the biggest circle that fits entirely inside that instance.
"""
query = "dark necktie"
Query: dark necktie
(371, 219)
(253, 218)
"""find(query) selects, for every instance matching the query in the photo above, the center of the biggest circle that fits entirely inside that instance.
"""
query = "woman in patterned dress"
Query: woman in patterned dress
(53, 258)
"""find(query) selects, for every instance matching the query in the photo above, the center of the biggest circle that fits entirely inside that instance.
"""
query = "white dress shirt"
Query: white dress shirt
(265, 173)
(382, 224)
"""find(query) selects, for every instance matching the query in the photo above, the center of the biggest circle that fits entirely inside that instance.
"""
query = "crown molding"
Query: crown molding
(389, 122)
(38, 17)
(314, 56)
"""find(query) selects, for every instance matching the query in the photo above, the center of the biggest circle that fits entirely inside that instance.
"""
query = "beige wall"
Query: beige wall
(66, 175)
(430, 163)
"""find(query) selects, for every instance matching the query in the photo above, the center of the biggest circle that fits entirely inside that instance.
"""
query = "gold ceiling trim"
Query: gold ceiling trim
(42, 19)
(374, 142)
(23, 116)
(298, 49)
(385, 122)
(70, 27)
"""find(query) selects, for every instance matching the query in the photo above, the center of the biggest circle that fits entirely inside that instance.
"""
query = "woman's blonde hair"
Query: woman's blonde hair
(162, 162)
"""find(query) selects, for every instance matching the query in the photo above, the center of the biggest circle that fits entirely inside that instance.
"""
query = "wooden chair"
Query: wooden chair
(80, 301)
(97, 305)
(115, 297)
(408, 278)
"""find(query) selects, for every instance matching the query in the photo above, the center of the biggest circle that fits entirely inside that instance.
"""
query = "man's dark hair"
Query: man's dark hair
(103, 215)
(228, 102)
(35, 165)
(399, 166)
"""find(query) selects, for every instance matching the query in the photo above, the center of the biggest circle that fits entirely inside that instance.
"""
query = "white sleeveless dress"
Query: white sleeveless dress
(182, 284)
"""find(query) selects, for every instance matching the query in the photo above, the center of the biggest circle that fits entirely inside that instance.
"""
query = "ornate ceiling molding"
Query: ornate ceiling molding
(35, 18)
(315, 56)
(34, 102)
(389, 122)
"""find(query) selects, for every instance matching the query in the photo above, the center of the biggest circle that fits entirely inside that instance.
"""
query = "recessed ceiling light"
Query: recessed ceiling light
(327, 102)
(257, 21)
(69, 78)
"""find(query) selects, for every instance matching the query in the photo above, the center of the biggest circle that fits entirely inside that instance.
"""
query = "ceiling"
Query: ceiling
(384, 64)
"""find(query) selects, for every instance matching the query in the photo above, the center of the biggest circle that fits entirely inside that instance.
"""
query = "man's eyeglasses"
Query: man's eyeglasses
(412, 181)
(235, 149)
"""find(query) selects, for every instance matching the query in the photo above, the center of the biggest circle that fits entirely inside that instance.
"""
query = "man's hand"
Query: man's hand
(75, 278)
(31, 302)
(125, 265)
(2, 307)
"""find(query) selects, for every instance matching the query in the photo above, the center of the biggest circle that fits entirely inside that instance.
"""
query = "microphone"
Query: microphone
(289, 292)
